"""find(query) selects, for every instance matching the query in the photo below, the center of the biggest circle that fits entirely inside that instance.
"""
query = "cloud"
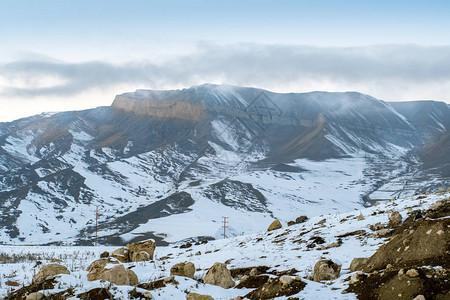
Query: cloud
(392, 71)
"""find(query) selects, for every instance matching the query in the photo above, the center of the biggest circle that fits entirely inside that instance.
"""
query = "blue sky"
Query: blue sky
(137, 37)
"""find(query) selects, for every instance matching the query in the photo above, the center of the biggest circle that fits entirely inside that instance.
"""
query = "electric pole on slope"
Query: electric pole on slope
(225, 227)
(96, 226)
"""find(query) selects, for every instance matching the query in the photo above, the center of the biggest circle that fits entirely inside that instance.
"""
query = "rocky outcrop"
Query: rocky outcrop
(49, 270)
(426, 243)
(394, 284)
(152, 106)
(277, 287)
(186, 269)
(219, 275)
(395, 219)
(326, 270)
(358, 263)
(275, 225)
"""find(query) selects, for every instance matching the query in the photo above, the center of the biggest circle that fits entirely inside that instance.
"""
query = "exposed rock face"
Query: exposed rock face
(162, 108)
(430, 283)
(147, 246)
(119, 275)
(253, 281)
(97, 267)
(195, 296)
(277, 287)
(186, 269)
(426, 244)
(326, 270)
(49, 270)
(219, 275)
(275, 225)
(395, 219)
(358, 263)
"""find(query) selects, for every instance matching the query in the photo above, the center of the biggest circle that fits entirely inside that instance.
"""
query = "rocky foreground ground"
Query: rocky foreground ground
(394, 250)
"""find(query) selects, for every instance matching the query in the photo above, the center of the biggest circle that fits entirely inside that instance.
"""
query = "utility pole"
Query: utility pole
(225, 227)
(96, 226)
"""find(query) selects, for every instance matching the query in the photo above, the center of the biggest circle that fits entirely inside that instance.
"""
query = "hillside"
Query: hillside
(169, 165)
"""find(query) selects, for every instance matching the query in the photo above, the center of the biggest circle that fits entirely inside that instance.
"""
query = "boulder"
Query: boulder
(219, 275)
(326, 270)
(195, 296)
(119, 275)
(121, 254)
(49, 270)
(186, 269)
(275, 225)
(395, 219)
(147, 246)
(140, 256)
(358, 263)
(97, 267)
(301, 219)
(35, 296)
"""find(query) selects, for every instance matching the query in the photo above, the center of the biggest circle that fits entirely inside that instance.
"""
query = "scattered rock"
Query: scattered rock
(119, 275)
(275, 225)
(395, 219)
(147, 246)
(219, 275)
(326, 270)
(195, 296)
(301, 219)
(360, 217)
(35, 296)
(274, 287)
(358, 263)
(286, 280)
(186, 269)
(186, 245)
(419, 297)
(56, 260)
(97, 267)
(96, 294)
(388, 285)
(377, 226)
(250, 271)
(11, 283)
(140, 256)
(383, 232)
(49, 270)
(412, 273)
(104, 254)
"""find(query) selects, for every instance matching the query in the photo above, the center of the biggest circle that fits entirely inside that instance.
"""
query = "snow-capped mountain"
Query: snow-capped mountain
(170, 164)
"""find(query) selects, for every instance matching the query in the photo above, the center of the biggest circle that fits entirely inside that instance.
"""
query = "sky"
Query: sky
(71, 55)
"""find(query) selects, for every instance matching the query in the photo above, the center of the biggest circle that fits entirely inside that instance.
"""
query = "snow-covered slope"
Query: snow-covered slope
(170, 164)
(337, 236)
